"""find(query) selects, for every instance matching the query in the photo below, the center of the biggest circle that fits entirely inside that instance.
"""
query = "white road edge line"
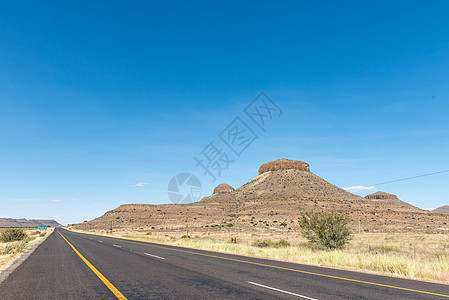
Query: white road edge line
(100, 241)
(282, 291)
(117, 246)
(154, 255)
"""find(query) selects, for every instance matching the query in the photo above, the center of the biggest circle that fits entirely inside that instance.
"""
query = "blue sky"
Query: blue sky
(96, 98)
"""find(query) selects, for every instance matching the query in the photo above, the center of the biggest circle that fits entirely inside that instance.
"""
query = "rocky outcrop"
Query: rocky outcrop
(284, 164)
(442, 210)
(223, 189)
(381, 195)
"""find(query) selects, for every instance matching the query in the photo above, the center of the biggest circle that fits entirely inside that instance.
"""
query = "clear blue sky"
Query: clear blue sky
(98, 97)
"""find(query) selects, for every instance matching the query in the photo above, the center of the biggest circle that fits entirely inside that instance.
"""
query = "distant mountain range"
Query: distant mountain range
(442, 210)
(8, 222)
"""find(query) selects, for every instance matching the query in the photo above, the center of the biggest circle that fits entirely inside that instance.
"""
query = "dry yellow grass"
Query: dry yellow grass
(416, 256)
(11, 251)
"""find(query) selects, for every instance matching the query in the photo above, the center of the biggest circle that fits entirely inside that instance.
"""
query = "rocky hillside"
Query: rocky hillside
(7, 222)
(272, 201)
(381, 195)
(389, 198)
(442, 210)
(284, 164)
(223, 188)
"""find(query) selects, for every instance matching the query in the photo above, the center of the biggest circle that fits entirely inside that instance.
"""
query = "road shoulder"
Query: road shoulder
(20, 258)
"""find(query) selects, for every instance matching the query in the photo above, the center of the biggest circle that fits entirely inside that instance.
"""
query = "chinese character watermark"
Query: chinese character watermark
(213, 160)
(237, 136)
(262, 109)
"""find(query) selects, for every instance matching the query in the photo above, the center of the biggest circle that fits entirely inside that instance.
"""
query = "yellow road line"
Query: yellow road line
(294, 270)
(102, 278)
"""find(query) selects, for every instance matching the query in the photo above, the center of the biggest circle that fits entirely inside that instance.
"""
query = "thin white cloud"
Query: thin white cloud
(56, 200)
(139, 184)
(429, 208)
(413, 203)
(359, 188)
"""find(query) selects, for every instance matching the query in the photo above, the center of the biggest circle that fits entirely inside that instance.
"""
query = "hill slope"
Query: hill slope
(269, 200)
(8, 222)
(442, 210)
(389, 198)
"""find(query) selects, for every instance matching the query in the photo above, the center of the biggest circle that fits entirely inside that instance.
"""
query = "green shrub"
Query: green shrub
(13, 234)
(263, 244)
(14, 248)
(230, 225)
(326, 229)
(149, 233)
(282, 244)
(7, 249)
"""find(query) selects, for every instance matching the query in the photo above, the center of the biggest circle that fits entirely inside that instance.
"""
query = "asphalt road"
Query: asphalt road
(70, 265)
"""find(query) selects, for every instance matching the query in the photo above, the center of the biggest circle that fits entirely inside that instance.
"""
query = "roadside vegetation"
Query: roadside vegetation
(417, 256)
(328, 230)
(12, 235)
(14, 241)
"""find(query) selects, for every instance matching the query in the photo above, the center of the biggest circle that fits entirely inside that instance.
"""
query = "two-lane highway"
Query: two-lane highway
(71, 265)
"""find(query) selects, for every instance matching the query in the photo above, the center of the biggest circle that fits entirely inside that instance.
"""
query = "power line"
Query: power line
(408, 178)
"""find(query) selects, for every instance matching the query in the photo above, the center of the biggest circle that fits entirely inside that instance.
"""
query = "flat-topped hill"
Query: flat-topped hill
(381, 195)
(275, 197)
(223, 188)
(284, 164)
(388, 198)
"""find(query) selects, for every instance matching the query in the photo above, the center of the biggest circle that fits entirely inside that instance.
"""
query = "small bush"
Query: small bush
(7, 249)
(14, 247)
(35, 232)
(13, 234)
(282, 244)
(149, 233)
(263, 244)
(326, 229)
(230, 225)
(20, 246)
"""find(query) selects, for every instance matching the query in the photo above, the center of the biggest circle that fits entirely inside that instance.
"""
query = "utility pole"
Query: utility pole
(111, 227)
(187, 223)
